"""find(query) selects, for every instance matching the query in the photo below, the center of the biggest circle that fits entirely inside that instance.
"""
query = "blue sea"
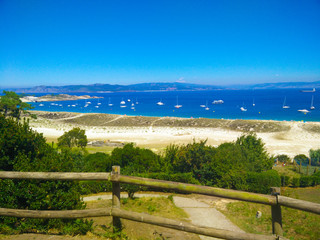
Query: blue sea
(259, 104)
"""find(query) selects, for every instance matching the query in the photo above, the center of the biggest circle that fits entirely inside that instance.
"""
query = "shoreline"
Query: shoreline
(280, 137)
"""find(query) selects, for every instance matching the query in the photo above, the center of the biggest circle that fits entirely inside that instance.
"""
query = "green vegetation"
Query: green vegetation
(22, 149)
(74, 138)
(12, 106)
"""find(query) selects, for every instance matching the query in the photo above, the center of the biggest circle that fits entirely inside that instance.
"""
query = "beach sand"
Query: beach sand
(283, 137)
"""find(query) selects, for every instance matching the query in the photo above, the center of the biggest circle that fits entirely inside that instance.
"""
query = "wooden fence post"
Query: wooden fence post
(116, 198)
(276, 214)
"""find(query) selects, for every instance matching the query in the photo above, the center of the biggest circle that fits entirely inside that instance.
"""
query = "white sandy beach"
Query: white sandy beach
(294, 141)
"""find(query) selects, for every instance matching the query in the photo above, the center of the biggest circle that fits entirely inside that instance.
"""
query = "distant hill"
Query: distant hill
(301, 85)
(176, 86)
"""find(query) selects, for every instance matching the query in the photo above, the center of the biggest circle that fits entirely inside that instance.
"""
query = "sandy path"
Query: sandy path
(203, 214)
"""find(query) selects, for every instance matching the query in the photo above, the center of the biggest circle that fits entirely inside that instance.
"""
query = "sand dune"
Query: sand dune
(290, 138)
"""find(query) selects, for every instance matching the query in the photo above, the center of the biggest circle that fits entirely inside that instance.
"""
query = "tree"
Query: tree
(254, 152)
(22, 149)
(11, 105)
(74, 138)
(301, 159)
(283, 158)
(315, 157)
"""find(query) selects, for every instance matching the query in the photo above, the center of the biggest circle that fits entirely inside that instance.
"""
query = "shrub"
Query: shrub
(285, 180)
(295, 182)
(306, 181)
(262, 182)
(22, 149)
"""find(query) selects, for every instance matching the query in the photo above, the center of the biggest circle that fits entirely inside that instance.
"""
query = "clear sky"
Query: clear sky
(60, 42)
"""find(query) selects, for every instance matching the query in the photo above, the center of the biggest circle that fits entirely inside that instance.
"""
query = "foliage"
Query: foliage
(315, 157)
(74, 138)
(188, 158)
(11, 105)
(255, 154)
(301, 158)
(135, 160)
(262, 182)
(283, 158)
(22, 149)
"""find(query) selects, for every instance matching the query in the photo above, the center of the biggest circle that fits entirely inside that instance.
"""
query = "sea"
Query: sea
(264, 104)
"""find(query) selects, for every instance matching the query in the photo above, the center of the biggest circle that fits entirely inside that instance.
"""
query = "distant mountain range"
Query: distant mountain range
(176, 86)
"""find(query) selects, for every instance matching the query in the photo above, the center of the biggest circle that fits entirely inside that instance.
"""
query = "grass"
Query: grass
(160, 206)
(288, 170)
(296, 224)
(105, 120)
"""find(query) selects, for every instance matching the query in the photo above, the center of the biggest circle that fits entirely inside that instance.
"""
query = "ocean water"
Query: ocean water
(260, 104)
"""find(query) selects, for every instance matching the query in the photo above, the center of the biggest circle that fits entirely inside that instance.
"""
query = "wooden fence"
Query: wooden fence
(275, 200)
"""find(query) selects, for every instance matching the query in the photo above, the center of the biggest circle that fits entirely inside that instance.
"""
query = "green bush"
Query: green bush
(22, 149)
(306, 181)
(295, 182)
(285, 180)
(262, 182)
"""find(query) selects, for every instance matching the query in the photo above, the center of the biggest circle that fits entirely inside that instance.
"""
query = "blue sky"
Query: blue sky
(123, 42)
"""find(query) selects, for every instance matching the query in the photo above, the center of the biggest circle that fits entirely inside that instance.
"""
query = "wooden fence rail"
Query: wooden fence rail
(275, 201)
(134, 216)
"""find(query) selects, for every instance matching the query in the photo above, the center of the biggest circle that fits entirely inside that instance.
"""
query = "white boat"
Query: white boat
(123, 106)
(160, 103)
(243, 109)
(132, 104)
(303, 110)
(137, 101)
(284, 104)
(312, 107)
(177, 105)
(129, 100)
(109, 103)
(41, 105)
(313, 90)
(203, 106)
(218, 102)
(122, 102)
(96, 106)
(253, 104)
(99, 103)
(207, 108)
(73, 105)
(88, 102)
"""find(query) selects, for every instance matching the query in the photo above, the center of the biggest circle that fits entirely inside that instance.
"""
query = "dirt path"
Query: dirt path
(201, 213)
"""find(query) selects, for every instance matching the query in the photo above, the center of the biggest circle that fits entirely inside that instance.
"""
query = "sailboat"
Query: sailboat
(207, 108)
(303, 111)
(243, 109)
(312, 107)
(160, 103)
(284, 103)
(177, 105)
(99, 103)
(109, 103)
(122, 102)
(253, 104)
